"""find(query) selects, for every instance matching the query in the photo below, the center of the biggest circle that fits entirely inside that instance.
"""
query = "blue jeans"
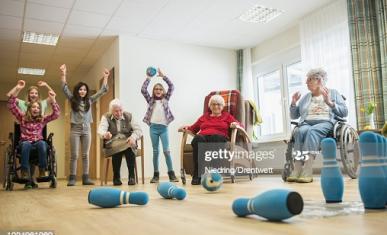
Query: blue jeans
(27, 147)
(309, 135)
(157, 132)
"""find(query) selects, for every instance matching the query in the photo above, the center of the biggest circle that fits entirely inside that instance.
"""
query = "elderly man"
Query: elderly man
(118, 126)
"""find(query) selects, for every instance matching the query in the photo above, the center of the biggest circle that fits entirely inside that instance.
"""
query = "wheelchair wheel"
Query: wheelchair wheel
(349, 150)
(53, 183)
(289, 164)
(9, 183)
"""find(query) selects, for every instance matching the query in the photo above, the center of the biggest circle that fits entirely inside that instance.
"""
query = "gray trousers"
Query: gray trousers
(80, 134)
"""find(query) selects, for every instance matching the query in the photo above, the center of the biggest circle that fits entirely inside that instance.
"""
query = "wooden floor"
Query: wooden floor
(66, 211)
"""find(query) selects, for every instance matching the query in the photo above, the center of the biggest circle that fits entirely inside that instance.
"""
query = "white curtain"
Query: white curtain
(325, 44)
(247, 77)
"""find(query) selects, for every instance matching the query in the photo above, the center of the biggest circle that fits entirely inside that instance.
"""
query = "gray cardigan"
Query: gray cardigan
(301, 110)
(83, 117)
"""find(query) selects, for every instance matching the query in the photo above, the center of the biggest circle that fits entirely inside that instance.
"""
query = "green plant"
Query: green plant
(370, 109)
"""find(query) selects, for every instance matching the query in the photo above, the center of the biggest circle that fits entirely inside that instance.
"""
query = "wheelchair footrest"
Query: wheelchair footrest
(20, 180)
(44, 179)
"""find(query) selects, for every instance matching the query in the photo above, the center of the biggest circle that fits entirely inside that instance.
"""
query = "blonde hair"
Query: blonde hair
(160, 85)
(29, 90)
(28, 115)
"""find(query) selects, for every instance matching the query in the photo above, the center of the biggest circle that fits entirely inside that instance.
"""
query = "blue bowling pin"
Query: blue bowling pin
(274, 205)
(372, 185)
(332, 182)
(111, 197)
(385, 160)
(169, 191)
(382, 154)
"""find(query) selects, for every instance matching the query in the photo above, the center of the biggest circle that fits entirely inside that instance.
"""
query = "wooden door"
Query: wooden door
(6, 126)
(104, 108)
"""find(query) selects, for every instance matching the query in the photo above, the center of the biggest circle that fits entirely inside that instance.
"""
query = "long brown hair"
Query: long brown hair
(76, 100)
(28, 116)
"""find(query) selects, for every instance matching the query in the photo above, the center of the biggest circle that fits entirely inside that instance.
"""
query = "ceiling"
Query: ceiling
(88, 27)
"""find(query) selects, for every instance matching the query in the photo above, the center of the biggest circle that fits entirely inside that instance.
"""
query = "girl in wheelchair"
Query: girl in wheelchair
(318, 111)
(32, 95)
(32, 123)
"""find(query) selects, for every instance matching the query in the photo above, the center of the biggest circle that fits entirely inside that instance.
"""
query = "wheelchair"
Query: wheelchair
(13, 157)
(347, 143)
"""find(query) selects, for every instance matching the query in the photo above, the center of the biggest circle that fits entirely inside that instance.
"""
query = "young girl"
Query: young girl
(32, 123)
(81, 117)
(32, 96)
(158, 116)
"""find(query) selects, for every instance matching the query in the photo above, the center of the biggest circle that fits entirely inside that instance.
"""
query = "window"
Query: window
(275, 82)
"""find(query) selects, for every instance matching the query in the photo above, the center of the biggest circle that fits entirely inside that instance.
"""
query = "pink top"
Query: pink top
(32, 130)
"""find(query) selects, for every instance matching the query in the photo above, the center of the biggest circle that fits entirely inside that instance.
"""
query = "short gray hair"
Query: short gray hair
(216, 98)
(114, 103)
(318, 73)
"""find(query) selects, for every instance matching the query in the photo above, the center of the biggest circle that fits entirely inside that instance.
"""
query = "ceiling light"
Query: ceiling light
(260, 14)
(31, 71)
(40, 38)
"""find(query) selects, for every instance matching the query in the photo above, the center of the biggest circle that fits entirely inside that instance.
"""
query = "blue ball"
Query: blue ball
(151, 71)
(212, 181)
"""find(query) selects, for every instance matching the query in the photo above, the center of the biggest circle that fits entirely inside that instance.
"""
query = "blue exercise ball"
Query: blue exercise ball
(151, 71)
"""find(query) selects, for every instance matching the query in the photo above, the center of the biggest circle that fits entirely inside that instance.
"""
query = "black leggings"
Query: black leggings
(203, 139)
(117, 159)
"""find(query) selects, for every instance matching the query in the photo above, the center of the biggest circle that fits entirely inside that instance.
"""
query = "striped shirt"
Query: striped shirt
(31, 130)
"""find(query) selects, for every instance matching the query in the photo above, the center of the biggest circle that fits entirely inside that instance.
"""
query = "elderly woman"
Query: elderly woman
(118, 124)
(317, 111)
(211, 127)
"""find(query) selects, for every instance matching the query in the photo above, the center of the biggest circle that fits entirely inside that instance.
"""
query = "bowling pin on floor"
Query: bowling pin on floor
(274, 205)
(332, 183)
(169, 191)
(111, 197)
(371, 177)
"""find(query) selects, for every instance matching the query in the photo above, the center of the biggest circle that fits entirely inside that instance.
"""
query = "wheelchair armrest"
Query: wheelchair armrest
(340, 119)
(294, 123)
(49, 138)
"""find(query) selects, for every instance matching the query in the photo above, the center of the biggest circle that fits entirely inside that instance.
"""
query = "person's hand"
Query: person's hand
(234, 125)
(51, 96)
(296, 96)
(131, 142)
(325, 94)
(160, 73)
(42, 83)
(20, 84)
(106, 73)
(183, 128)
(63, 69)
(107, 135)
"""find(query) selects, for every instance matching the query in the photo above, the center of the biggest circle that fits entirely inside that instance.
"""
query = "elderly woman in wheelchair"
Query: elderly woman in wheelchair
(212, 127)
(32, 123)
(318, 112)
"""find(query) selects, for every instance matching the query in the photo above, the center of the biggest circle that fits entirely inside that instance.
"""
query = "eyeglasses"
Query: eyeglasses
(310, 79)
(158, 89)
(216, 104)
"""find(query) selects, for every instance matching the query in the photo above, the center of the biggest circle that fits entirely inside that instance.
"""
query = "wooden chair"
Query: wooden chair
(237, 107)
(140, 153)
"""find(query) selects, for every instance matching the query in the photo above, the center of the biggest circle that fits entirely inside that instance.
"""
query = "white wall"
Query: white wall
(194, 70)
(276, 45)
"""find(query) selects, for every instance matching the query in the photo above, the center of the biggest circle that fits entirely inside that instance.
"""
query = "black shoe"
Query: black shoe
(131, 181)
(172, 176)
(156, 177)
(196, 180)
(117, 182)
(86, 180)
(72, 180)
